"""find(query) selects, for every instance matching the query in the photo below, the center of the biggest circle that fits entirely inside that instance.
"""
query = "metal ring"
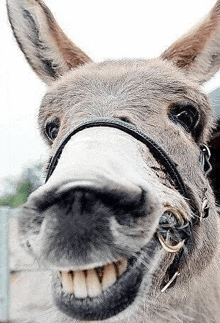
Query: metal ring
(167, 247)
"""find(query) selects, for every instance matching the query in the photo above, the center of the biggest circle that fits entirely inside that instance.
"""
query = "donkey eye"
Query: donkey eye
(51, 129)
(186, 115)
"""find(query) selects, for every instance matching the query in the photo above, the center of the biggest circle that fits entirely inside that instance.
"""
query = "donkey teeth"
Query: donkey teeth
(87, 283)
(94, 287)
(80, 290)
(122, 267)
(67, 281)
(109, 276)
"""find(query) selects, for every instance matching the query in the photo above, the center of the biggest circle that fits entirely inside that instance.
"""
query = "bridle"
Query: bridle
(183, 232)
(158, 153)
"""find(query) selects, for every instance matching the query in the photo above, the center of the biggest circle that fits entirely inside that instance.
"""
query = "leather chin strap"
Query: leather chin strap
(182, 232)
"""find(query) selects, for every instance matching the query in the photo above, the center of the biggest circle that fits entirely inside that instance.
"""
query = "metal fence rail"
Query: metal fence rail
(5, 214)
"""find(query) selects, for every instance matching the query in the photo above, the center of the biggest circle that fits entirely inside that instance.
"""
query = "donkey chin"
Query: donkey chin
(95, 226)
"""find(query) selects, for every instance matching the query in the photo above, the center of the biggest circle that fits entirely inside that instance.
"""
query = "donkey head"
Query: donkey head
(122, 218)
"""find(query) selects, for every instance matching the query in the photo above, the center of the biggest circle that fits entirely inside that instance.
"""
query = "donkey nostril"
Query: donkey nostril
(121, 193)
(79, 198)
(77, 201)
(75, 196)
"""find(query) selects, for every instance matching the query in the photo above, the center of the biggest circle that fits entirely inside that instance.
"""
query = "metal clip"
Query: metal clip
(205, 156)
(170, 281)
(205, 208)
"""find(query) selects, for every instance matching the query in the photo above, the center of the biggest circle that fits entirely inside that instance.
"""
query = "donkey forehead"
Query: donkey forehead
(121, 84)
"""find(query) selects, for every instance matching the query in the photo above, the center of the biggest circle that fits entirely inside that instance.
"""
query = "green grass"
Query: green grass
(23, 191)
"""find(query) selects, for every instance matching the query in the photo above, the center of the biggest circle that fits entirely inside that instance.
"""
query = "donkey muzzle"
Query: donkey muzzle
(95, 198)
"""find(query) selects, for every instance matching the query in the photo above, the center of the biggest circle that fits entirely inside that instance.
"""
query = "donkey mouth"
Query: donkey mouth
(103, 292)
(100, 293)
(92, 282)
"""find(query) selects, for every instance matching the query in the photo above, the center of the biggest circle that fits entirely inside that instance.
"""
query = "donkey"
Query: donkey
(127, 220)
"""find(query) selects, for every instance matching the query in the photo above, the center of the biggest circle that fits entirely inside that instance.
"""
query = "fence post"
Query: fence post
(4, 266)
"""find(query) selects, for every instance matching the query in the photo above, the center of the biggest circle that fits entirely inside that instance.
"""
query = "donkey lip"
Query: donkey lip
(109, 301)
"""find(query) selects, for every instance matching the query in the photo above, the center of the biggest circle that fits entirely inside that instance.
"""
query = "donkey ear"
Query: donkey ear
(45, 46)
(198, 51)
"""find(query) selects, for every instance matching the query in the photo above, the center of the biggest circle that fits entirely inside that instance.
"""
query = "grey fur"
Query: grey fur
(142, 92)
